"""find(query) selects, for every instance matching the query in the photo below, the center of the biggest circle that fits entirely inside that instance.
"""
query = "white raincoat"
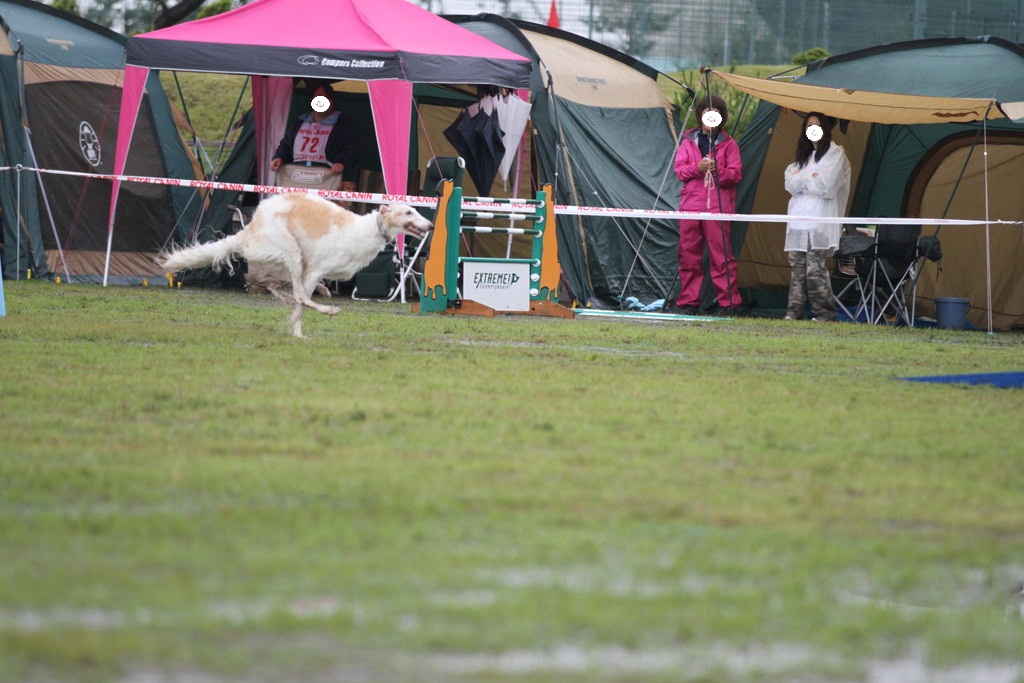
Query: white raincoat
(820, 188)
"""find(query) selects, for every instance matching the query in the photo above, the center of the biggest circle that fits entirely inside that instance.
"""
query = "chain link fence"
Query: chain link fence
(673, 35)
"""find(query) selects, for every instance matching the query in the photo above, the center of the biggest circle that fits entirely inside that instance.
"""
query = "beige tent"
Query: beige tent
(920, 152)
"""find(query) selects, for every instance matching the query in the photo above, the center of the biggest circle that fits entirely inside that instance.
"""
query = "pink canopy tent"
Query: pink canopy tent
(390, 44)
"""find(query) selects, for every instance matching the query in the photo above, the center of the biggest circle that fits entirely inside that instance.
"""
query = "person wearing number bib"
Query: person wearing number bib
(320, 138)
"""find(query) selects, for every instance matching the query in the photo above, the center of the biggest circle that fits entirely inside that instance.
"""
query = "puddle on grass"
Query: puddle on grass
(314, 607)
(768, 662)
(572, 659)
(915, 671)
(774, 662)
(589, 580)
(29, 621)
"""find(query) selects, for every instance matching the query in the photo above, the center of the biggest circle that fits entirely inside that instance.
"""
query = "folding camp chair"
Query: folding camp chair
(883, 268)
(438, 170)
(852, 298)
(390, 277)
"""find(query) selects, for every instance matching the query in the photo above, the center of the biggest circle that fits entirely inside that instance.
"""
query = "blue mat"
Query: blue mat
(1003, 380)
(638, 315)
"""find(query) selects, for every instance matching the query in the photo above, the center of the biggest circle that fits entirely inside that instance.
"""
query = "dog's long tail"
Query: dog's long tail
(214, 254)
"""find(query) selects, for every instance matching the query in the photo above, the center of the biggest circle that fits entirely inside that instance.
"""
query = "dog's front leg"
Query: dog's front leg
(297, 320)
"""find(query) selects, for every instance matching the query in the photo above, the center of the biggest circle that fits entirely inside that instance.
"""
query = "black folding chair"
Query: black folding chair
(884, 268)
(852, 298)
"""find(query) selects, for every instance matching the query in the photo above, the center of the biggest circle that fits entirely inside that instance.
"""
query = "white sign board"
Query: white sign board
(502, 286)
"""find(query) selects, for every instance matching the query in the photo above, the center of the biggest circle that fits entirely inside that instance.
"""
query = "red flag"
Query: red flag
(553, 17)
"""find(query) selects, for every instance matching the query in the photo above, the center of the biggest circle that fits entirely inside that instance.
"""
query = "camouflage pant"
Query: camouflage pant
(809, 279)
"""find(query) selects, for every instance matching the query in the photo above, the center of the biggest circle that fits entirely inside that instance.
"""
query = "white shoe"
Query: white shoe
(789, 317)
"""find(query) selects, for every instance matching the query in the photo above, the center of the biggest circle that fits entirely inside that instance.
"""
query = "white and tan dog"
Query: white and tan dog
(305, 239)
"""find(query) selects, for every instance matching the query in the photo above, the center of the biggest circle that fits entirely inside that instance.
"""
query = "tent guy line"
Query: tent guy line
(489, 202)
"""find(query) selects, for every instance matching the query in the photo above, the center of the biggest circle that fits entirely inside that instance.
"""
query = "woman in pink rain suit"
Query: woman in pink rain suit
(708, 163)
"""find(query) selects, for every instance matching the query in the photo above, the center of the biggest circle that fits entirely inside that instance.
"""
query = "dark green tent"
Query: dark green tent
(929, 170)
(604, 136)
(60, 82)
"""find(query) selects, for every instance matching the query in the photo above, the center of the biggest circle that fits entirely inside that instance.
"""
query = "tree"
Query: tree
(812, 55)
(214, 7)
(169, 14)
(137, 16)
(70, 6)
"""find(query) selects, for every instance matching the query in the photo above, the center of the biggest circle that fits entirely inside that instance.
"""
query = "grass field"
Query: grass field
(189, 494)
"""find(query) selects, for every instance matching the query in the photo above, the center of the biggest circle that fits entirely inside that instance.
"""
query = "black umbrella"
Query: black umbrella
(477, 139)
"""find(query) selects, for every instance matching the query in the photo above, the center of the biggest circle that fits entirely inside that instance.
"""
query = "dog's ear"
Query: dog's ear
(384, 209)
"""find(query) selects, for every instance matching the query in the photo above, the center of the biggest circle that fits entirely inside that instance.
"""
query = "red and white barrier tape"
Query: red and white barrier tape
(478, 203)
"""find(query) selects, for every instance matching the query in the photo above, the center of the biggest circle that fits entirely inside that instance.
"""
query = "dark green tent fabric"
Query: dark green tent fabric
(610, 145)
(23, 249)
(935, 170)
(60, 77)
(602, 157)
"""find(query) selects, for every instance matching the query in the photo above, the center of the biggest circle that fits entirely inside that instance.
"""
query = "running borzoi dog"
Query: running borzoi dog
(304, 239)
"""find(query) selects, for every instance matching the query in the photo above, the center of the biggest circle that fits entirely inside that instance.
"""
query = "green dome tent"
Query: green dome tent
(604, 136)
(60, 81)
(931, 166)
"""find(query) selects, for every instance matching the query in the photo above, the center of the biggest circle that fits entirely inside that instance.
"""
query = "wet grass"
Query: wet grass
(188, 491)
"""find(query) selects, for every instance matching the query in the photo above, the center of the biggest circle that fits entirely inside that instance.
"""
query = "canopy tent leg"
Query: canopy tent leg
(131, 99)
(988, 226)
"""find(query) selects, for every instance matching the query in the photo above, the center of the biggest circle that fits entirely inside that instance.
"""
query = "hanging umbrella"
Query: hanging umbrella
(476, 136)
(513, 113)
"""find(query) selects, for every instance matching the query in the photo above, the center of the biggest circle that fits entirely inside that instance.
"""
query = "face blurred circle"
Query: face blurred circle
(320, 104)
(814, 133)
(711, 119)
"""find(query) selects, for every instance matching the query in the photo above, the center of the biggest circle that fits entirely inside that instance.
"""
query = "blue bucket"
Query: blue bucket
(951, 312)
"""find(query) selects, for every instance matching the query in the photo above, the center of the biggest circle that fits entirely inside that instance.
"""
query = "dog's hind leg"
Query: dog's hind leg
(312, 283)
(283, 295)
(303, 283)
(301, 300)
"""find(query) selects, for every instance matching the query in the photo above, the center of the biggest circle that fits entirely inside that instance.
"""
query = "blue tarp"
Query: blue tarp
(1003, 380)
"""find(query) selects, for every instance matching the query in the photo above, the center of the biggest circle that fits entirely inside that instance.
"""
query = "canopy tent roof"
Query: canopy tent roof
(390, 44)
(865, 105)
(923, 81)
(333, 39)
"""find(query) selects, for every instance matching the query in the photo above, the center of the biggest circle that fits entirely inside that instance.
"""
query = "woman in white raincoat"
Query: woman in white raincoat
(819, 182)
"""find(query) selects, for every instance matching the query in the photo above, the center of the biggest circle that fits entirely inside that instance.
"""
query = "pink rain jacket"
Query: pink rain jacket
(698, 196)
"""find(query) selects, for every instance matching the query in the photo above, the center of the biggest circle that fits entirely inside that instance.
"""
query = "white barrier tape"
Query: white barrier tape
(565, 210)
(343, 195)
(762, 217)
